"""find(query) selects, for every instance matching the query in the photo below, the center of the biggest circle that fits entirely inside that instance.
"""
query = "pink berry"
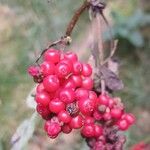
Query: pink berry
(56, 105)
(98, 130)
(71, 56)
(51, 83)
(116, 113)
(111, 103)
(77, 68)
(42, 98)
(40, 88)
(88, 130)
(52, 55)
(76, 122)
(87, 83)
(86, 106)
(47, 68)
(47, 124)
(92, 95)
(81, 93)
(62, 70)
(33, 71)
(97, 115)
(123, 124)
(69, 84)
(87, 70)
(107, 116)
(103, 100)
(53, 129)
(64, 116)
(66, 129)
(77, 80)
(129, 118)
(67, 62)
(89, 120)
(67, 95)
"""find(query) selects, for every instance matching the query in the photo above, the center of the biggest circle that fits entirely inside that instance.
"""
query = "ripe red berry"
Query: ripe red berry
(77, 80)
(62, 70)
(69, 84)
(77, 68)
(71, 56)
(51, 83)
(81, 93)
(98, 130)
(87, 83)
(67, 62)
(64, 116)
(86, 106)
(76, 122)
(47, 68)
(52, 55)
(89, 120)
(66, 128)
(107, 116)
(47, 124)
(116, 113)
(123, 124)
(42, 110)
(103, 100)
(40, 88)
(67, 95)
(97, 115)
(56, 105)
(92, 96)
(53, 129)
(42, 98)
(129, 118)
(87, 70)
(88, 130)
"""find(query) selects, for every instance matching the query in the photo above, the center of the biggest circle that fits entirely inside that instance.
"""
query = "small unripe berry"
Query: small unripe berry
(51, 83)
(56, 106)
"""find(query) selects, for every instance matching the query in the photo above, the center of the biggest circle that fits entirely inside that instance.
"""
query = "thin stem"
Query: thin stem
(100, 47)
(75, 18)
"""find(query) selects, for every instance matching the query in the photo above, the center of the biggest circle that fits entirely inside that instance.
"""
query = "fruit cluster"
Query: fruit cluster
(66, 101)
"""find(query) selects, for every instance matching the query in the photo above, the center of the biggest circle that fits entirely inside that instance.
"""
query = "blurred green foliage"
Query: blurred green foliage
(27, 26)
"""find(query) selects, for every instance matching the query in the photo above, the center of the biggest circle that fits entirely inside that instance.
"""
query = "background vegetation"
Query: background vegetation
(27, 26)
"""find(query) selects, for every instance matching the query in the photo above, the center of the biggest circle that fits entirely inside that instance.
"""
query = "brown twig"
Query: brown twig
(75, 18)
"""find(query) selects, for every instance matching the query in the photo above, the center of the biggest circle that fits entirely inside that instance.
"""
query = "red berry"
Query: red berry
(103, 100)
(47, 68)
(52, 55)
(87, 83)
(111, 103)
(87, 70)
(81, 93)
(98, 130)
(89, 120)
(42, 110)
(40, 88)
(71, 56)
(86, 106)
(88, 130)
(42, 98)
(77, 80)
(62, 70)
(69, 84)
(53, 129)
(64, 116)
(107, 116)
(51, 83)
(123, 124)
(76, 122)
(66, 128)
(56, 106)
(97, 115)
(77, 68)
(33, 71)
(67, 62)
(92, 96)
(116, 113)
(67, 95)
(129, 118)
(47, 124)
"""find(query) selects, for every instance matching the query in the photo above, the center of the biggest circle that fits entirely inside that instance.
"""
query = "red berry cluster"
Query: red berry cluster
(66, 101)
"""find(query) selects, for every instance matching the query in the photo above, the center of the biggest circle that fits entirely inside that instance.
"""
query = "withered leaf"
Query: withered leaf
(112, 81)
